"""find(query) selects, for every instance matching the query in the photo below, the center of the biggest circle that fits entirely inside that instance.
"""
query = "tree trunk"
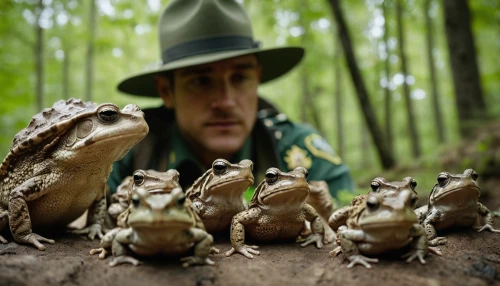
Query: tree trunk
(387, 88)
(436, 106)
(65, 74)
(378, 137)
(338, 101)
(39, 54)
(414, 138)
(89, 66)
(469, 96)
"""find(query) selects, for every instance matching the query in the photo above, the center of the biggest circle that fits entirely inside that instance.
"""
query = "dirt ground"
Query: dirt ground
(470, 258)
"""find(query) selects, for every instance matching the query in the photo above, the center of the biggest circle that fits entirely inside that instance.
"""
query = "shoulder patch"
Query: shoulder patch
(297, 157)
(318, 146)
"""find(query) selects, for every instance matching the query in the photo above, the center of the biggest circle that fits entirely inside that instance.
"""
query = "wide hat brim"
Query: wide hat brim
(275, 62)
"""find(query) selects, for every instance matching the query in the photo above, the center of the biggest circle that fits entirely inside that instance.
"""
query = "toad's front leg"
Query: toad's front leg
(95, 221)
(316, 227)
(419, 245)
(119, 248)
(238, 233)
(430, 231)
(484, 220)
(19, 217)
(203, 247)
(348, 238)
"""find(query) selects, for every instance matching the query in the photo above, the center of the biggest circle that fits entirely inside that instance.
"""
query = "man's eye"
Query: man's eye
(201, 81)
(238, 77)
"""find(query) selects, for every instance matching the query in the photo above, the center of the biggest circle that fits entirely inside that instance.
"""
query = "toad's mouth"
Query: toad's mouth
(387, 224)
(467, 189)
(102, 138)
(292, 192)
(231, 183)
(166, 224)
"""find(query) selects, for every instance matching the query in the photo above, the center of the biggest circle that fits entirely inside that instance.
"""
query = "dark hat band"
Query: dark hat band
(209, 45)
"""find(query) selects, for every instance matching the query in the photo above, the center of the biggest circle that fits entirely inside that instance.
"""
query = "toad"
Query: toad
(58, 166)
(150, 180)
(381, 186)
(453, 202)
(378, 224)
(218, 194)
(158, 223)
(277, 212)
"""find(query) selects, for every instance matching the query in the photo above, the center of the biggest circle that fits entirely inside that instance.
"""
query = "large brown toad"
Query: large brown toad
(379, 224)
(58, 166)
(218, 195)
(453, 202)
(277, 212)
(158, 223)
(381, 186)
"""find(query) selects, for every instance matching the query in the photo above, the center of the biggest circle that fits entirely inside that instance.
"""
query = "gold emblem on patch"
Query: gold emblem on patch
(318, 146)
(297, 157)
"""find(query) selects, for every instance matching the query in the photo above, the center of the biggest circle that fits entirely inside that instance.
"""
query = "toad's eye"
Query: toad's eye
(135, 201)
(107, 115)
(442, 179)
(474, 175)
(413, 184)
(271, 177)
(375, 186)
(219, 167)
(138, 178)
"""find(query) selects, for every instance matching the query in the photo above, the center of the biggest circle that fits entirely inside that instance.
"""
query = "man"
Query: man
(208, 82)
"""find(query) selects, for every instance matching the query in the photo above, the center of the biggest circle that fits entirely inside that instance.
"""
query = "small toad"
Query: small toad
(153, 181)
(158, 223)
(277, 212)
(218, 194)
(453, 202)
(381, 186)
(379, 224)
(58, 166)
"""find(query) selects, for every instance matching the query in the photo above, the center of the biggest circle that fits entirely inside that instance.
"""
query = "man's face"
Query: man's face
(215, 104)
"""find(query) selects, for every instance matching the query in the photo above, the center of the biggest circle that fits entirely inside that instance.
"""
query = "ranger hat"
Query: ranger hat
(194, 32)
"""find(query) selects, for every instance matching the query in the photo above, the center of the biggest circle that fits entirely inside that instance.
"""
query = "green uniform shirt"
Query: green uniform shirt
(274, 142)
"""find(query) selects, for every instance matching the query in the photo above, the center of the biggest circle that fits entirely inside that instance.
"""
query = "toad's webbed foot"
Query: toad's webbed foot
(103, 253)
(195, 260)
(91, 231)
(438, 241)
(246, 250)
(33, 239)
(418, 253)
(123, 260)
(3, 240)
(313, 238)
(362, 260)
(336, 251)
(488, 227)
(435, 250)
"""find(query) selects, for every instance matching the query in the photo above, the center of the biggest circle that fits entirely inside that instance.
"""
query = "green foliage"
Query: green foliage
(126, 43)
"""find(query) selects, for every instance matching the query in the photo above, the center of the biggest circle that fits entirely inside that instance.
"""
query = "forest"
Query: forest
(398, 88)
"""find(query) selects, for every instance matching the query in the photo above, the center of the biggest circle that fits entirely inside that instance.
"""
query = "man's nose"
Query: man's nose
(225, 95)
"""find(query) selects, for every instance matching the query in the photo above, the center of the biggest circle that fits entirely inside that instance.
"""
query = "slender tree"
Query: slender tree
(469, 95)
(387, 74)
(89, 66)
(378, 137)
(415, 139)
(338, 101)
(38, 50)
(436, 106)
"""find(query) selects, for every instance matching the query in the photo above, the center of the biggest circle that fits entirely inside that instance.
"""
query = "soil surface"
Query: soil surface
(469, 258)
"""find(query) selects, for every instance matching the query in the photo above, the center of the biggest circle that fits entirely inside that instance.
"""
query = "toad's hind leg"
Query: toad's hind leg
(19, 217)
(484, 220)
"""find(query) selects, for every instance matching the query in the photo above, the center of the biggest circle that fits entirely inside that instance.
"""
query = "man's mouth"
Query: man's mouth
(222, 123)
